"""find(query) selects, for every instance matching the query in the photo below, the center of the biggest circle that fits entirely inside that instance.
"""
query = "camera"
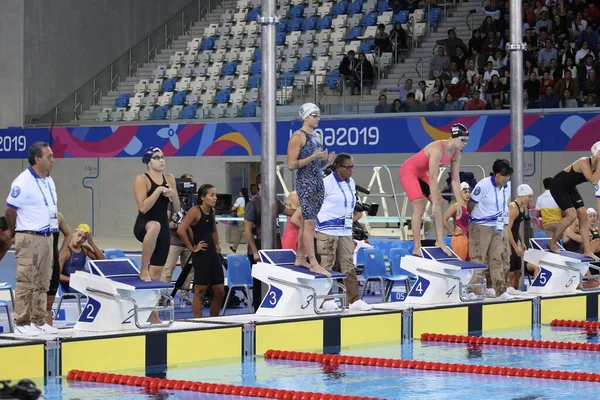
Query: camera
(25, 389)
(188, 192)
(370, 208)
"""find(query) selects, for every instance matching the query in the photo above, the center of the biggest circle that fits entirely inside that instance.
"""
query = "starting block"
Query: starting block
(561, 272)
(293, 289)
(441, 278)
(118, 299)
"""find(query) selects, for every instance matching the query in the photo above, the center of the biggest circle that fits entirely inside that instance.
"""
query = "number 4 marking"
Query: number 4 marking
(449, 292)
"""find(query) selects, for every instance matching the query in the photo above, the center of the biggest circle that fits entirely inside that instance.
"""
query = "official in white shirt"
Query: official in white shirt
(32, 217)
(488, 239)
(334, 228)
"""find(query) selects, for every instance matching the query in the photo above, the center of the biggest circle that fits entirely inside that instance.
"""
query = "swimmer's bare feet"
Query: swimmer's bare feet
(154, 318)
(301, 261)
(553, 247)
(444, 248)
(417, 251)
(145, 275)
(591, 255)
(317, 269)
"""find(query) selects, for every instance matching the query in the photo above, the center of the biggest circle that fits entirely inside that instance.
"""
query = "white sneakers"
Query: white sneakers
(330, 305)
(360, 305)
(34, 330)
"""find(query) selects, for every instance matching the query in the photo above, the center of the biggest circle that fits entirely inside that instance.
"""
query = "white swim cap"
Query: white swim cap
(308, 108)
(595, 148)
(524, 190)
(464, 185)
(591, 210)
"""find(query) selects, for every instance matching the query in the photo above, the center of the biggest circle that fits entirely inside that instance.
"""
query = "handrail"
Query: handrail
(419, 62)
(400, 79)
(178, 16)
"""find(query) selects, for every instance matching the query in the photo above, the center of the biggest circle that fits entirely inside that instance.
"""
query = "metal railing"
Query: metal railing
(127, 65)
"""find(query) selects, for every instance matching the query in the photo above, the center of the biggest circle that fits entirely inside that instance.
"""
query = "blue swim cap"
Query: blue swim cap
(147, 156)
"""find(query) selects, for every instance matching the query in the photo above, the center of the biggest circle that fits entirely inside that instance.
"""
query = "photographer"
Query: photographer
(334, 228)
(177, 250)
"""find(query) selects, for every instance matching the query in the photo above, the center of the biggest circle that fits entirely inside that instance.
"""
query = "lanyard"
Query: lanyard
(345, 198)
(42, 192)
(503, 204)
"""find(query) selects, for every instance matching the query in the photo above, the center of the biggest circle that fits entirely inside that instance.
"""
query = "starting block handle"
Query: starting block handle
(314, 293)
(439, 275)
(170, 308)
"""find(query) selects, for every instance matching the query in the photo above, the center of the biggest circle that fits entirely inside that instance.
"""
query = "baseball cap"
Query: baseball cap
(524, 190)
(454, 81)
(464, 185)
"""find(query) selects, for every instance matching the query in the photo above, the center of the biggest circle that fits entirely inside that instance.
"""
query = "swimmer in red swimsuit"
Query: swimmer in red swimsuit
(423, 167)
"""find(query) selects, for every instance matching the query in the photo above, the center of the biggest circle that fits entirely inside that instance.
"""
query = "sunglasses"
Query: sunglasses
(156, 158)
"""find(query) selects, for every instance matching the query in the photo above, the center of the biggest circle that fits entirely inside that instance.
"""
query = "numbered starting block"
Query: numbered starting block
(118, 299)
(294, 290)
(441, 278)
(561, 272)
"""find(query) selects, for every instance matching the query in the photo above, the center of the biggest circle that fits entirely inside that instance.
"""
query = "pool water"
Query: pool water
(388, 383)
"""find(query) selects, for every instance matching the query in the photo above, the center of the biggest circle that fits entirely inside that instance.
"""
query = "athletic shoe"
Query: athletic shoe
(470, 296)
(513, 292)
(490, 292)
(360, 305)
(505, 296)
(330, 305)
(45, 328)
(27, 330)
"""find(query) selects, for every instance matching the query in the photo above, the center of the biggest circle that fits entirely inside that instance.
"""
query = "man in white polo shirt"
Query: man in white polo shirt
(488, 238)
(334, 228)
(32, 216)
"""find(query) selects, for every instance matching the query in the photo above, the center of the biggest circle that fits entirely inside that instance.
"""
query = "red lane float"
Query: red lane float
(588, 325)
(155, 384)
(478, 340)
(335, 359)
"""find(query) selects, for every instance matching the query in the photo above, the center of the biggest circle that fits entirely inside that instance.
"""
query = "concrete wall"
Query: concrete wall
(11, 63)
(67, 42)
(114, 208)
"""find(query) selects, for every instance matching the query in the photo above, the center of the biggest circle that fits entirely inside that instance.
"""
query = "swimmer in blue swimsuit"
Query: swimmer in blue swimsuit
(73, 257)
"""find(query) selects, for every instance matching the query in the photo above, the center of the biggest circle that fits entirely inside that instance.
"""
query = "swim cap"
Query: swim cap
(459, 130)
(595, 148)
(524, 190)
(308, 108)
(591, 210)
(148, 153)
(84, 228)
(464, 185)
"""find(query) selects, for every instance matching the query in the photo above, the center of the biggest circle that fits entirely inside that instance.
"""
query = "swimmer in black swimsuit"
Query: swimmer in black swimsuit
(153, 191)
(205, 250)
(55, 280)
(565, 193)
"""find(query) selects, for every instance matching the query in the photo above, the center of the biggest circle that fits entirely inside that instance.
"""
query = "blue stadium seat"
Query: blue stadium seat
(339, 8)
(295, 25)
(282, 25)
(369, 19)
(281, 38)
(208, 43)
(229, 68)
(434, 16)
(223, 96)
(382, 6)
(160, 112)
(366, 46)
(305, 64)
(257, 55)
(189, 112)
(310, 24)
(332, 79)
(256, 68)
(354, 33)
(122, 100)
(297, 11)
(354, 8)
(286, 79)
(401, 17)
(249, 110)
(178, 98)
(169, 85)
(239, 276)
(325, 22)
(254, 81)
(253, 14)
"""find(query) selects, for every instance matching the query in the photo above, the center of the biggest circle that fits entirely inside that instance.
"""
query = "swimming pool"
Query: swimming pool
(389, 383)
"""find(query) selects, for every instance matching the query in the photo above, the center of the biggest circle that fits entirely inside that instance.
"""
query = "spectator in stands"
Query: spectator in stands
(489, 72)
(399, 38)
(475, 103)
(532, 86)
(546, 81)
(450, 104)
(397, 106)
(543, 22)
(567, 83)
(496, 104)
(585, 68)
(529, 69)
(560, 8)
(530, 54)
(569, 65)
(495, 89)
(382, 39)
(436, 104)
(488, 239)
(451, 43)
(454, 72)
(471, 70)
(476, 86)
(475, 43)
(423, 92)
(438, 87)
(592, 13)
(364, 72)
(530, 37)
(577, 26)
(414, 106)
(499, 62)
(347, 70)
(439, 63)
(546, 54)
(560, 29)
(577, 7)
(567, 101)
(253, 190)
(492, 11)
(590, 102)
(406, 89)
(490, 44)
(383, 106)
(479, 61)
(460, 58)
(487, 26)
(584, 52)
(541, 43)
(589, 36)
(539, 9)
(547, 210)
(549, 99)
(457, 89)
(529, 103)
(566, 52)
